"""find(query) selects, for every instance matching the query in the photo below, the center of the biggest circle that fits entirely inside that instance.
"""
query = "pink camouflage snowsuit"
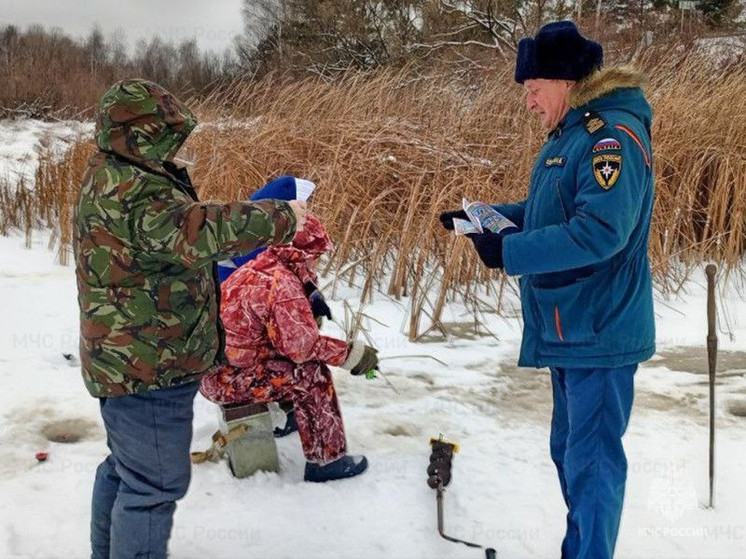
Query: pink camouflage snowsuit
(274, 347)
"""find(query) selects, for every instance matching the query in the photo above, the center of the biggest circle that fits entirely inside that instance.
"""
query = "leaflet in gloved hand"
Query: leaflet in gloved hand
(481, 216)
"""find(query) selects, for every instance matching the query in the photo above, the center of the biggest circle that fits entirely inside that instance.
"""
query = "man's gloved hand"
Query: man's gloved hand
(489, 247)
(361, 358)
(446, 218)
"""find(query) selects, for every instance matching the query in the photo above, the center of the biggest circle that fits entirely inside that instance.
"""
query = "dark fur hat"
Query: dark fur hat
(558, 52)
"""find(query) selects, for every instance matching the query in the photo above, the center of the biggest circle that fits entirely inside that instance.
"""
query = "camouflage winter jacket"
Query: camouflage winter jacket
(145, 248)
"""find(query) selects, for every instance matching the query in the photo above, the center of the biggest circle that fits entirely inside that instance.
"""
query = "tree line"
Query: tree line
(44, 72)
(329, 36)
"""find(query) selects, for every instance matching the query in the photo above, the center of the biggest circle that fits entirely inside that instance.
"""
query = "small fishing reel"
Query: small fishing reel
(439, 469)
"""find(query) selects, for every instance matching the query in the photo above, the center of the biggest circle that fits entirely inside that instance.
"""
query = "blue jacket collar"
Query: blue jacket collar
(607, 89)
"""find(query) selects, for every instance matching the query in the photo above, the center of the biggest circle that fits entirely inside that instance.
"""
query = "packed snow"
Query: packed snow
(504, 492)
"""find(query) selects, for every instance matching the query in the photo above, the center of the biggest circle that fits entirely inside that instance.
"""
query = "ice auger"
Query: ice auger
(439, 476)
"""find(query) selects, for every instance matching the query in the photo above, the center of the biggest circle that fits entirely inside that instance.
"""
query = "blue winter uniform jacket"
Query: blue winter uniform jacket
(585, 283)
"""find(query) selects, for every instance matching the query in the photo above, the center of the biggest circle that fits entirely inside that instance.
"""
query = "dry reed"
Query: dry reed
(393, 150)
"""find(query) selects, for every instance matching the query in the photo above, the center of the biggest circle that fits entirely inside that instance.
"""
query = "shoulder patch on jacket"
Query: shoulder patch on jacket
(607, 144)
(593, 122)
(606, 169)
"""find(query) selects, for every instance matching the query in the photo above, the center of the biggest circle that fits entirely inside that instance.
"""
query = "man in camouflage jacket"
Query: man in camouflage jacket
(145, 253)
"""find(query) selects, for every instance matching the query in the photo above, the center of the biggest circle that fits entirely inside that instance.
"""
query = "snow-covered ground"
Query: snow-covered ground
(504, 492)
(21, 140)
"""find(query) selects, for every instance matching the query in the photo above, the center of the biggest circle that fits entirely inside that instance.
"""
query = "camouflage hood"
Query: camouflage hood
(145, 248)
(142, 122)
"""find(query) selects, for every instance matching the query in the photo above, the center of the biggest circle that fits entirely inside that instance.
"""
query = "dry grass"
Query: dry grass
(49, 204)
(700, 160)
(390, 152)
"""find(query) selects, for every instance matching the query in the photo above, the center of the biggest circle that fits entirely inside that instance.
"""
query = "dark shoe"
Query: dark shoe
(290, 426)
(347, 466)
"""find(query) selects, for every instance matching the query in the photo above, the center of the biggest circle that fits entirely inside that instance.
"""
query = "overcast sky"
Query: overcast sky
(213, 23)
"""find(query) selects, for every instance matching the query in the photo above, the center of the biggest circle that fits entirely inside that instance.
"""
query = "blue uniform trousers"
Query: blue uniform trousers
(591, 412)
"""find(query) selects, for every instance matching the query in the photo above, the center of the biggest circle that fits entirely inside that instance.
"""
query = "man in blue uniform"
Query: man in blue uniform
(581, 252)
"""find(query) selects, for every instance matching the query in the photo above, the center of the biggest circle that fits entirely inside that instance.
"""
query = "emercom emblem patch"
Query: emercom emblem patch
(606, 169)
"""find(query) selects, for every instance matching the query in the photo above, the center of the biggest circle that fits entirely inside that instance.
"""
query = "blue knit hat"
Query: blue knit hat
(558, 52)
(281, 188)
(285, 188)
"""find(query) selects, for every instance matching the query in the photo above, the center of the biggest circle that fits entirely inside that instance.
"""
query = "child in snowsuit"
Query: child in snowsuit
(286, 187)
(276, 352)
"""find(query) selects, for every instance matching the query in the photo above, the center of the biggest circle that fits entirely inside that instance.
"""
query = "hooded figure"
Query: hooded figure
(145, 248)
(145, 252)
(276, 351)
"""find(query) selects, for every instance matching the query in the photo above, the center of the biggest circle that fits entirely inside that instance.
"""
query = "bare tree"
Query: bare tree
(488, 24)
(263, 25)
(96, 49)
(117, 47)
(329, 35)
(157, 60)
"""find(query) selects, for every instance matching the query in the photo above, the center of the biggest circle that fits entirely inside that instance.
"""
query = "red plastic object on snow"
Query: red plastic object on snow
(41, 455)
